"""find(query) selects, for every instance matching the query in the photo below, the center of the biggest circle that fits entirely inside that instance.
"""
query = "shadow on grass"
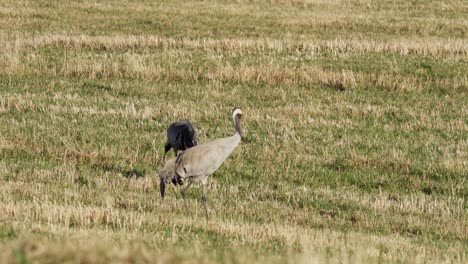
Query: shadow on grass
(127, 173)
(335, 85)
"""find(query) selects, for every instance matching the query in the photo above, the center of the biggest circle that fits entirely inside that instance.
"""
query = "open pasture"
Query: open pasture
(355, 123)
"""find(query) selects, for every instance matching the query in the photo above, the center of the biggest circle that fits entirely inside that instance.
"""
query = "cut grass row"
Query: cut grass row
(355, 121)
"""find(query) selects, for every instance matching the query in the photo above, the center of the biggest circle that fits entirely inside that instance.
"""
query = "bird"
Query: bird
(167, 174)
(180, 136)
(196, 164)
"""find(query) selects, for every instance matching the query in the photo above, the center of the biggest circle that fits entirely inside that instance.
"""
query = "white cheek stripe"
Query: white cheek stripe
(236, 112)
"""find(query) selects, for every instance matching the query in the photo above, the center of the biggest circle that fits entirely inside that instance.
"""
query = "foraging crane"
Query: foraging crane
(167, 174)
(197, 163)
(180, 136)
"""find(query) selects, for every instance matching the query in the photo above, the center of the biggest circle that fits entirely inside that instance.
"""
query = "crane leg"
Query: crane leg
(184, 193)
(204, 201)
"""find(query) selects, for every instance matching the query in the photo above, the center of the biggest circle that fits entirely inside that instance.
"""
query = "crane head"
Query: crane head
(236, 112)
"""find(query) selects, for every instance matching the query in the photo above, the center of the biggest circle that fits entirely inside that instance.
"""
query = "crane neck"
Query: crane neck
(237, 128)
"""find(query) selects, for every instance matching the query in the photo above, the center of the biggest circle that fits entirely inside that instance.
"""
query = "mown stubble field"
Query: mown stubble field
(355, 123)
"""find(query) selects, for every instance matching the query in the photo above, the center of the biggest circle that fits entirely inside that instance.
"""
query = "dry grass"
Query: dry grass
(355, 121)
(404, 46)
(146, 62)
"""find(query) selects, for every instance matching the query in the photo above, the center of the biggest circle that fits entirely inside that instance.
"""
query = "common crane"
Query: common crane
(167, 174)
(197, 163)
(180, 136)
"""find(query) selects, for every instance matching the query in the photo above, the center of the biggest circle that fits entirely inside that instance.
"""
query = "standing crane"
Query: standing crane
(197, 163)
(180, 136)
(166, 175)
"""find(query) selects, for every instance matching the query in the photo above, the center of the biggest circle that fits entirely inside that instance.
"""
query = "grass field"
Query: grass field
(355, 123)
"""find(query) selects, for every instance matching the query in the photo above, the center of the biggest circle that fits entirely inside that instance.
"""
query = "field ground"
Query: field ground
(356, 146)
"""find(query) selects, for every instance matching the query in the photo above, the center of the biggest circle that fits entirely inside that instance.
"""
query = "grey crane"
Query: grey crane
(180, 136)
(167, 174)
(197, 163)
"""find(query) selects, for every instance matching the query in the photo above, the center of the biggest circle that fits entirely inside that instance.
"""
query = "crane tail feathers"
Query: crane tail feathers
(162, 188)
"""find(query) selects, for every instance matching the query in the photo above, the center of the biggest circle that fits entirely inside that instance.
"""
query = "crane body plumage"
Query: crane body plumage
(180, 136)
(166, 175)
(196, 164)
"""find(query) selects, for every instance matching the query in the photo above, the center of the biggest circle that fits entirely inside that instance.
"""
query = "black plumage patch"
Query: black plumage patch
(180, 136)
